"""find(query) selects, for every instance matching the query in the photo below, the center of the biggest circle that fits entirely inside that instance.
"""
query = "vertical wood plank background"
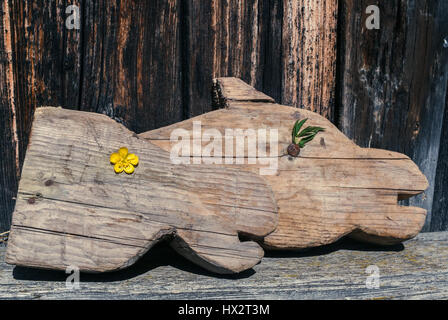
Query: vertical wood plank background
(9, 143)
(392, 82)
(148, 64)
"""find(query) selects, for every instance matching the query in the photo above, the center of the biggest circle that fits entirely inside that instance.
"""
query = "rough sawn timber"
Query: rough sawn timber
(73, 210)
(335, 188)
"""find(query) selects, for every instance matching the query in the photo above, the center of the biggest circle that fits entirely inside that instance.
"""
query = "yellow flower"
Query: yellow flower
(123, 161)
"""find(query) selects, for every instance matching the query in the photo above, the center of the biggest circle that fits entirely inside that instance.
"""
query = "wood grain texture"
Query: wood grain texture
(9, 142)
(132, 62)
(285, 48)
(47, 57)
(393, 81)
(333, 189)
(73, 210)
(224, 38)
(439, 219)
(416, 270)
(309, 30)
(123, 61)
(150, 63)
(42, 59)
(235, 89)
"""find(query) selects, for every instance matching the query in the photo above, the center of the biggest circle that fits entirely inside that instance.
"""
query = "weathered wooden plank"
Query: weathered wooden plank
(74, 210)
(272, 74)
(439, 219)
(225, 38)
(132, 62)
(47, 56)
(333, 189)
(309, 30)
(230, 89)
(9, 144)
(42, 65)
(416, 271)
(127, 64)
(284, 48)
(393, 81)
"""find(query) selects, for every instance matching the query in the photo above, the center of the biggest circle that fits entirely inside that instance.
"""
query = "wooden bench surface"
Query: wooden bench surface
(416, 270)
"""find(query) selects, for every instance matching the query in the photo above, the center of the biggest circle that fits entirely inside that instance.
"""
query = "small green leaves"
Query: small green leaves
(306, 134)
(295, 130)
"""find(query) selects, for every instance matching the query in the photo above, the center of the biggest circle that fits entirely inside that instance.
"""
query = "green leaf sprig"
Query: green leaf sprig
(301, 138)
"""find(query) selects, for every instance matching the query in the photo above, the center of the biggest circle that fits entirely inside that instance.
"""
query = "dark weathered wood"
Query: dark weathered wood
(149, 63)
(124, 61)
(417, 271)
(74, 210)
(132, 62)
(439, 219)
(393, 81)
(47, 57)
(9, 140)
(272, 75)
(224, 38)
(42, 67)
(332, 189)
(309, 55)
(284, 48)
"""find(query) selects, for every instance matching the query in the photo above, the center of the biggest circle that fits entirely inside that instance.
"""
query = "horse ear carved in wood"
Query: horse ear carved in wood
(73, 210)
(334, 188)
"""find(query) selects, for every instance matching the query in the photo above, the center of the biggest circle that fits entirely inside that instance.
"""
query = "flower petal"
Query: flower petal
(123, 152)
(118, 167)
(129, 168)
(115, 157)
(132, 158)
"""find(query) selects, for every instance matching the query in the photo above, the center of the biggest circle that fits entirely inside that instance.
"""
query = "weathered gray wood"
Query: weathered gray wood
(308, 55)
(393, 81)
(73, 210)
(419, 271)
(439, 220)
(9, 131)
(334, 188)
(221, 38)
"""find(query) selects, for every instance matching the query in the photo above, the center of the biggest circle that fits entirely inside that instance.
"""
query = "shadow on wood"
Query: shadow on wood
(163, 255)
